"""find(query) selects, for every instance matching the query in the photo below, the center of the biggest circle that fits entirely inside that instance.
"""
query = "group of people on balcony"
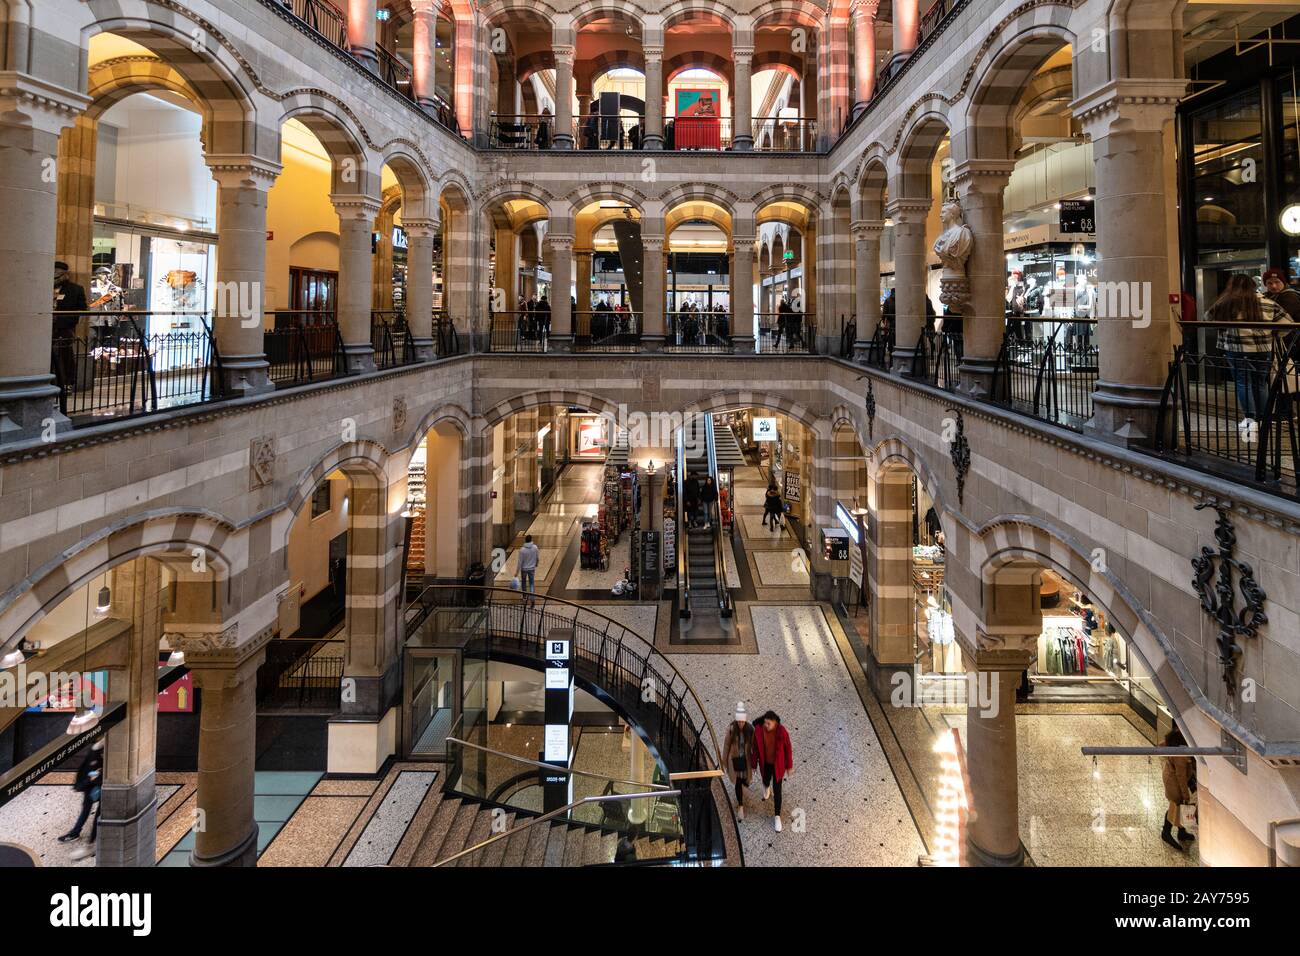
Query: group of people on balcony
(1252, 351)
(609, 320)
(693, 325)
(533, 320)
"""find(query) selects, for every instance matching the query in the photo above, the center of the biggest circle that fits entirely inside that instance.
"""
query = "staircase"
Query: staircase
(460, 824)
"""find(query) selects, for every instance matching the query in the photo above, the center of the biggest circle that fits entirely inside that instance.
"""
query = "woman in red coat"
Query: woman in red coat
(774, 756)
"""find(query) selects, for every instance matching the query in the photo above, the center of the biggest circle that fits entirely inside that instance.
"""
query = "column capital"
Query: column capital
(422, 228)
(584, 251)
(908, 210)
(999, 649)
(559, 241)
(1145, 104)
(745, 53)
(978, 175)
(219, 653)
(420, 7)
(355, 207)
(233, 171)
(865, 230)
(563, 53)
(655, 242)
(743, 243)
(653, 53)
(47, 107)
(865, 8)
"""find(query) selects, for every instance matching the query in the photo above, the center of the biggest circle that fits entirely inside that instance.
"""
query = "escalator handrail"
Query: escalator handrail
(683, 564)
(715, 518)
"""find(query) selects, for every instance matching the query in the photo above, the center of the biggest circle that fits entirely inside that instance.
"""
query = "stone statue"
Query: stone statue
(953, 247)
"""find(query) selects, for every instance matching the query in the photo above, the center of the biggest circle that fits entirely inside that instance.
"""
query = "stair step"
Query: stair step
(479, 830)
(495, 854)
(593, 849)
(458, 833)
(554, 855)
(575, 844)
(426, 854)
(516, 845)
(538, 835)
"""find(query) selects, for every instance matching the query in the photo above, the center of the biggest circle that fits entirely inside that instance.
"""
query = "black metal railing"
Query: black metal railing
(1048, 369)
(323, 17)
(937, 358)
(1234, 410)
(132, 363)
(395, 71)
(521, 131)
(786, 332)
(880, 350)
(390, 338)
(624, 665)
(698, 332)
(301, 675)
(848, 335)
(786, 135)
(606, 331)
(609, 132)
(446, 340)
(303, 347)
(519, 331)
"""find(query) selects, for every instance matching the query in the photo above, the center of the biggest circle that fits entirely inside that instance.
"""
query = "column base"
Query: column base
(562, 141)
(742, 344)
(423, 350)
(559, 343)
(358, 359)
(976, 377)
(885, 679)
(245, 854)
(366, 57)
(653, 142)
(742, 144)
(978, 857)
(29, 409)
(1125, 414)
(903, 362)
(862, 351)
(128, 824)
(245, 375)
(653, 343)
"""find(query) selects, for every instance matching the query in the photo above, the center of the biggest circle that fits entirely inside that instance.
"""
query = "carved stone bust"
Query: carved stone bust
(953, 247)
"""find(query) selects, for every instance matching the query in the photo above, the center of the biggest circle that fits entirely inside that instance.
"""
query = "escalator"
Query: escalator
(700, 566)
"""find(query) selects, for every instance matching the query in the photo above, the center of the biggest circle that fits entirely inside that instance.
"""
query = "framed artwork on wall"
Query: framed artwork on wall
(699, 102)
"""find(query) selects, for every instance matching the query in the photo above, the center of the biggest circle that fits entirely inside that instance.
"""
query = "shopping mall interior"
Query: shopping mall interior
(612, 433)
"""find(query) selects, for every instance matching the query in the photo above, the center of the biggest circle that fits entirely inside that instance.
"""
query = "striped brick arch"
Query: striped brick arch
(684, 12)
(873, 186)
(584, 196)
(1020, 541)
(787, 12)
(733, 399)
(350, 171)
(558, 396)
(597, 67)
(590, 11)
(892, 454)
(112, 81)
(414, 181)
(530, 63)
(783, 60)
(1023, 46)
(150, 534)
(466, 519)
(697, 60)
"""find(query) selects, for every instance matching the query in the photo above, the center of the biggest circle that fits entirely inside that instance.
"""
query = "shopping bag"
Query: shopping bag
(1187, 816)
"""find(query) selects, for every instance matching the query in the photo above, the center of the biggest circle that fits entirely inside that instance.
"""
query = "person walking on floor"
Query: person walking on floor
(1178, 774)
(772, 508)
(775, 758)
(89, 783)
(738, 754)
(528, 559)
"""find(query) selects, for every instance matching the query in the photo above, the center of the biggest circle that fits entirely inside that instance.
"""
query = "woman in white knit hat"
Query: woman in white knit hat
(737, 754)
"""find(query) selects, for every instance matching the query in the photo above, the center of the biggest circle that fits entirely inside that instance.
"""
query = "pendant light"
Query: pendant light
(104, 601)
(12, 659)
(82, 722)
(176, 659)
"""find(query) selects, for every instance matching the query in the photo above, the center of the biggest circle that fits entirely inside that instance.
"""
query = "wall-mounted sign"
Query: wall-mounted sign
(399, 238)
(764, 429)
(848, 522)
(792, 486)
(1078, 215)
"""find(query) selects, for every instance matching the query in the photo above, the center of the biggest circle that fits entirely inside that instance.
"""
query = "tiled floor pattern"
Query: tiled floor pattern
(388, 825)
(842, 805)
(574, 497)
(1077, 813)
(276, 796)
(38, 816)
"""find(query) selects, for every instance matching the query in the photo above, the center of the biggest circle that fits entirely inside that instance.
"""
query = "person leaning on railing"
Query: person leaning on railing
(69, 304)
(1249, 351)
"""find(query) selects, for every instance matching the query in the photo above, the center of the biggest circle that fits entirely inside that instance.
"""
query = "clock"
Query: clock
(1290, 219)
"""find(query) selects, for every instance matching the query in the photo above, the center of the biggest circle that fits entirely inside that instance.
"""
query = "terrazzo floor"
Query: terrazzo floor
(40, 814)
(842, 805)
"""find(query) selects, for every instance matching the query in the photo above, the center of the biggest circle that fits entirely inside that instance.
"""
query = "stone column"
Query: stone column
(742, 303)
(980, 186)
(226, 675)
(424, 52)
(1126, 120)
(35, 114)
(237, 320)
(907, 28)
(890, 578)
(582, 265)
(563, 138)
(507, 268)
(866, 245)
(76, 216)
(420, 234)
(468, 50)
(742, 132)
(654, 97)
(864, 53)
(128, 809)
(909, 217)
(361, 32)
(560, 255)
(356, 223)
(654, 293)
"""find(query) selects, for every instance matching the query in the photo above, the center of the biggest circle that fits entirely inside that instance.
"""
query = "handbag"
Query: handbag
(1187, 816)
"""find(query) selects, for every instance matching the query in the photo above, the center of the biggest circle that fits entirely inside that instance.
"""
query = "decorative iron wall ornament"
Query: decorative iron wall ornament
(959, 449)
(1213, 581)
(870, 403)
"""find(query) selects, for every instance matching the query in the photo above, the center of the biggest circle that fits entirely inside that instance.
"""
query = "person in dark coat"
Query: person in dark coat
(708, 496)
(1178, 775)
(543, 318)
(1281, 294)
(691, 496)
(773, 510)
(89, 783)
(69, 303)
(774, 757)
(738, 753)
